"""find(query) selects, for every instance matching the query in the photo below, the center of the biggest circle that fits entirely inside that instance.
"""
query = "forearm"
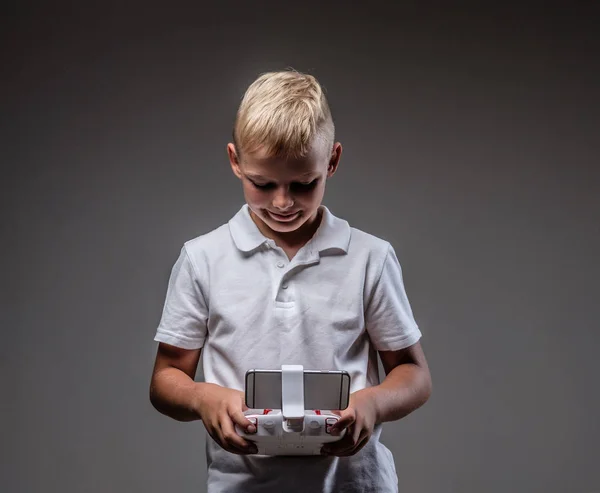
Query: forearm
(406, 388)
(175, 394)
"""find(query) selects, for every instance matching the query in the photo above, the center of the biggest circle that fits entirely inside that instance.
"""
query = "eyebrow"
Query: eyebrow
(260, 177)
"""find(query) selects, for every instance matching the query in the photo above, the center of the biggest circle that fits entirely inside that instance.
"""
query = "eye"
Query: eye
(262, 186)
(303, 187)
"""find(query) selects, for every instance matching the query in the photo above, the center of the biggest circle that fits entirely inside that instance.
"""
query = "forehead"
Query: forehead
(259, 165)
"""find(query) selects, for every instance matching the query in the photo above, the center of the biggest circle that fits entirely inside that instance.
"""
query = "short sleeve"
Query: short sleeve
(389, 319)
(185, 312)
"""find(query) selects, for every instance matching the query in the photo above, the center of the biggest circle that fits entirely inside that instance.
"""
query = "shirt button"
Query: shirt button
(284, 286)
(280, 264)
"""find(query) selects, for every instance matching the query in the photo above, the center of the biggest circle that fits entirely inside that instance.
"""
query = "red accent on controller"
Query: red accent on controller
(267, 411)
(317, 412)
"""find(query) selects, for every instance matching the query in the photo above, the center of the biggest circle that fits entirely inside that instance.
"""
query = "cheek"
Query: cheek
(316, 196)
(253, 195)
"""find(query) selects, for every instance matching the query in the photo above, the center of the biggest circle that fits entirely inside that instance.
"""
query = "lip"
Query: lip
(283, 218)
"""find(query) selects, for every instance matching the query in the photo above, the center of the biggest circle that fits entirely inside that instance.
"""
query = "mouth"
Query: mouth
(285, 218)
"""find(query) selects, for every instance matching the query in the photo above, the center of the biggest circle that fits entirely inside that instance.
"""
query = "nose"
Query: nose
(282, 199)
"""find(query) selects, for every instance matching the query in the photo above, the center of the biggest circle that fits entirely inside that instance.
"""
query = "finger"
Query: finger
(234, 449)
(353, 450)
(238, 451)
(346, 421)
(344, 443)
(218, 437)
(232, 439)
(336, 447)
(362, 443)
(229, 448)
(240, 419)
(348, 445)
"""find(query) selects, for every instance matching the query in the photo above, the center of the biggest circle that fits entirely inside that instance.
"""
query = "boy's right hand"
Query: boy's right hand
(220, 410)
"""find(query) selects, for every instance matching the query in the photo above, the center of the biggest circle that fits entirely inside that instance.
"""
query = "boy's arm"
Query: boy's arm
(173, 391)
(407, 385)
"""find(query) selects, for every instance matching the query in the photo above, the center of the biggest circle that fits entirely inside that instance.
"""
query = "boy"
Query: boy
(287, 282)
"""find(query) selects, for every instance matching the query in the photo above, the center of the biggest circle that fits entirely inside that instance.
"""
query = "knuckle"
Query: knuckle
(230, 437)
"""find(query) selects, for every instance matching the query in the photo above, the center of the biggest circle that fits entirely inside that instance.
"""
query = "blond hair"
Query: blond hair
(281, 113)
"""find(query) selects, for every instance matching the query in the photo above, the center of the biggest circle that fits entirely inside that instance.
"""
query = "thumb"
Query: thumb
(242, 421)
(347, 418)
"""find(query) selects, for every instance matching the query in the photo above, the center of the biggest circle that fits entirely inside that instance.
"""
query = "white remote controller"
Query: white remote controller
(278, 436)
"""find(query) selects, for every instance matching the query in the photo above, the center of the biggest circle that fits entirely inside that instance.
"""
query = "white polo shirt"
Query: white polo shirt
(234, 293)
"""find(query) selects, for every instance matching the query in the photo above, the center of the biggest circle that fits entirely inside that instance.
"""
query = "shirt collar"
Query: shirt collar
(332, 236)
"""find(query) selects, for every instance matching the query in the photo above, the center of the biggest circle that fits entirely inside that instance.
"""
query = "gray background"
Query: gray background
(470, 142)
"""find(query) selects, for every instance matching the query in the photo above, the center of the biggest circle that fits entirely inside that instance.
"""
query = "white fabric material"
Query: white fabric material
(235, 294)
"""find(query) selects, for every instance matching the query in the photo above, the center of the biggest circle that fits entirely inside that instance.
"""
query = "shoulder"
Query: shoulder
(207, 248)
(360, 242)
(209, 241)
(368, 241)
(373, 249)
(375, 253)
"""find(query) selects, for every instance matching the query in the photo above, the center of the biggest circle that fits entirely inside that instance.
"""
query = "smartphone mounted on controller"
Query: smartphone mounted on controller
(323, 389)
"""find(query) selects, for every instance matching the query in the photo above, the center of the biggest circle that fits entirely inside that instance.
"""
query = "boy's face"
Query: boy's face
(285, 194)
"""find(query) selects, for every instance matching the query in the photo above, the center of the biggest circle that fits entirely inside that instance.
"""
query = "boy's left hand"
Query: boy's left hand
(359, 420)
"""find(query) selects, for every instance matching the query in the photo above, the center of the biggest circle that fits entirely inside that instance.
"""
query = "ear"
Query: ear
(334, 160)
(234, 160)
